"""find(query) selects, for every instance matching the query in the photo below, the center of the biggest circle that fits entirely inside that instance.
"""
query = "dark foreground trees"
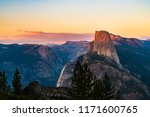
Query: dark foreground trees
(6, 92)
(82, 82)
(16, 83)
(3, 86)
(86, 86)
(104, 90)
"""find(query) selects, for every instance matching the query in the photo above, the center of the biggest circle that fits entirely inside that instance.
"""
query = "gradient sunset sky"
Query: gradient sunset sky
(45, 21)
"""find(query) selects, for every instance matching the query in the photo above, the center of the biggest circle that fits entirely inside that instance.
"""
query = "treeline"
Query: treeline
(86, 86)
(8, 92)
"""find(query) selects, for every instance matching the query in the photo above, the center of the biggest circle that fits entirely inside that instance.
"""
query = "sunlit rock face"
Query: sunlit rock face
(103, 58)
(103, 45)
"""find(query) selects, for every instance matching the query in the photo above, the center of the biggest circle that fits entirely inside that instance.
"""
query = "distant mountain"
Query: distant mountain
(46, 63)
(71, 50)
(39, 62)
(103, 58)
(146, 43)
(136, 58)
(134, 54)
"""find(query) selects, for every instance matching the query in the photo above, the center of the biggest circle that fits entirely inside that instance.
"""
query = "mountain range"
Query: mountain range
(102, 58)
(39, 62)
(126, 60)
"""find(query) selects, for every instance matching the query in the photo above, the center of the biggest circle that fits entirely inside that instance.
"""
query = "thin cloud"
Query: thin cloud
(145, 37)
(40, 37)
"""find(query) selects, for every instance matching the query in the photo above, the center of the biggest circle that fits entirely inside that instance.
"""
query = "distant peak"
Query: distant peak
(115, 37)
(76, 42)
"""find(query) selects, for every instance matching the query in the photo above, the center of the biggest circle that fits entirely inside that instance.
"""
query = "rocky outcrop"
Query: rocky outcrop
(103, 45)
(102, 58)
(115, 37)
(66, 74)
(130, 87)
(37, 91)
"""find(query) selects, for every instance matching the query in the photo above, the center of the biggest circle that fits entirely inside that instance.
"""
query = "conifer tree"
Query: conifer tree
(3, 86)
(81, 81)
(108, 90)
(104, 90)
(16, 83)
(97, 92)
(87, 81)
(76, 80)
(86, 86)
(3, 81)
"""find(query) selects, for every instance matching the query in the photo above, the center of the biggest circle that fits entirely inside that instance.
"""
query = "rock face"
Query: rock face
(66, 74)
(37, 91)
(102, 58)
(39, 62)
(130, 87)
(103, 46)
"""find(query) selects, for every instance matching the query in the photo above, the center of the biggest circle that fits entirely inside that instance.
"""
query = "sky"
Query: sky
(45, 21)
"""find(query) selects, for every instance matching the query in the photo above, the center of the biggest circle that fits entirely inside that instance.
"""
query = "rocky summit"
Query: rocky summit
(103, 45)
(102, 58)
(125, 60)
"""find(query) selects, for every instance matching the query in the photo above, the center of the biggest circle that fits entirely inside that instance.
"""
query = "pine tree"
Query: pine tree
(97, 92)
(86, 86)
(3, 81)
(76, 80)
(3, 86)
(81, 81)
(108, 90)
(16, 83)
(87, 78)
(104, 90)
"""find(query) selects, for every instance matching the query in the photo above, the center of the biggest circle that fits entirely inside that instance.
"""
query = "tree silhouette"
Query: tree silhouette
(104, 90)
(97, 92)
(109, 92)
(76, 80)
(81, 81)
(16, 83)
(86, 86)
(3, 86)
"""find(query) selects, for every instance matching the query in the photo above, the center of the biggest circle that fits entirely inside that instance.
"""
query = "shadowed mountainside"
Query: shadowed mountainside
(45, 62)
(101, 62)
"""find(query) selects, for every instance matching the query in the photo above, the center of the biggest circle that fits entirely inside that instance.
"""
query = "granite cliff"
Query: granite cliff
(102, 58)
(103, 45)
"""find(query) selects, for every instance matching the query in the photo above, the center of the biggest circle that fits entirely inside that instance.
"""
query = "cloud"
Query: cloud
(40, 37)
(145, 37)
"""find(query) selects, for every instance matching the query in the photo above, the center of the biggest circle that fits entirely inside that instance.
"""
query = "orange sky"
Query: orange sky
(128, 18)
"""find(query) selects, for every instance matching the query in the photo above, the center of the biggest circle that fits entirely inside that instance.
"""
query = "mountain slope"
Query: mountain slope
(45, 62)
(39, 62)
(35, 62)
(99, 64)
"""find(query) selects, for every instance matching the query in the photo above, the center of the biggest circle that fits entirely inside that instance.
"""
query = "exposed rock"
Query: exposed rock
(103, 46)
(45, 62)
(39, 62)
(34, 88)
(37, 91)
(115, 37)
(130, 87)
(102, 58)
(65, 76)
